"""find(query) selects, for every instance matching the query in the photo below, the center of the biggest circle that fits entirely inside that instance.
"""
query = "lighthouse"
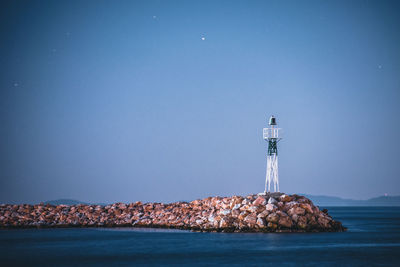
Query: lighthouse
(272, 136)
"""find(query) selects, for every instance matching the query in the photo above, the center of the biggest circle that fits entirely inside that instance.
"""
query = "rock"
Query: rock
(243, 215)
(251, 219)
(195, 202)
(271, 207)
(225, 205)
(285, 221)
(237, 200)
(261, 222)
(297, 211)
(272, 226)
(226, 200)
(307, 207)
(285, 198)
(315, 210)
(323, 222)
(225, 222)
(291, 204)
(302, 199)
(311, 221)
(245, 201)
(259, 201)
(272, 200)
(235, 213)
(253, 209)
(199, 221)
(273, 218)
(263, 214)
(236, 206)
(225, 212)
(214, 201)
(244, 207)
(302, 222)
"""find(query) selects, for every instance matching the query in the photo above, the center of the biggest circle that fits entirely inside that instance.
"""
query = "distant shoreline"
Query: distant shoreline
(319, 200)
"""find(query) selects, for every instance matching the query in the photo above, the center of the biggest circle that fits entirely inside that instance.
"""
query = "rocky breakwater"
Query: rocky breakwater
(275, 212)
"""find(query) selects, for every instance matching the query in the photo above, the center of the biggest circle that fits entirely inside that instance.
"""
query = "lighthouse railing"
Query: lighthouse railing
(269, 133)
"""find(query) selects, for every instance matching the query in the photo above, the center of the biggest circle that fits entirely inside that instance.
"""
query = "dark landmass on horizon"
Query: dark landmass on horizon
(325, 201)
(66, 201)
(329, 201)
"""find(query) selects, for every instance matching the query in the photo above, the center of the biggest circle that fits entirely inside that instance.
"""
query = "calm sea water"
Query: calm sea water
(373, 238)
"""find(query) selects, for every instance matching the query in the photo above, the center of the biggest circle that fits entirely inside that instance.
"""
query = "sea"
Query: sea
(372, 239)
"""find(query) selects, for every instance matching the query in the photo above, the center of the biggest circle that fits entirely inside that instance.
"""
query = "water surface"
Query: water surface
(373, 238)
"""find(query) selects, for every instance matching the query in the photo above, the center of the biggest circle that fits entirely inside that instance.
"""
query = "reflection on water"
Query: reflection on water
(144, 230)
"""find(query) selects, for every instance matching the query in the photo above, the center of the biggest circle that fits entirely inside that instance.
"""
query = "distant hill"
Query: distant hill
(324, 201)
(64, 202)
(70, 202)
(337, 201)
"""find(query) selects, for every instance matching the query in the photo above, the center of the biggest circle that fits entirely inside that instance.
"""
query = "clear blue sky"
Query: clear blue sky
(107, 101)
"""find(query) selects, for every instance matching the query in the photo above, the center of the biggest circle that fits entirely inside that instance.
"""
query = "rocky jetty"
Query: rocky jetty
(274, 212)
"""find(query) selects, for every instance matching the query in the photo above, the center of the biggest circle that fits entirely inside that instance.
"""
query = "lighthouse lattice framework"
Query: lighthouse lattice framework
(272, 135)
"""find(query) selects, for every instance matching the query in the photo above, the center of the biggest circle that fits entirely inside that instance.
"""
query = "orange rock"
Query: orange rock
(272, 226)
(243, 215)
(285, 198)
(261, 222)
(225, 222)
(307, 207)
(251, 219)
(263, 214)
(260, 201)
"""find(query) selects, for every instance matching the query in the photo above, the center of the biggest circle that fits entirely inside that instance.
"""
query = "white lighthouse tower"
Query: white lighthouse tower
(271, 135)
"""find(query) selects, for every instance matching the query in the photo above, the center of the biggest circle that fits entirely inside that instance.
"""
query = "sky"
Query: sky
(121, 101)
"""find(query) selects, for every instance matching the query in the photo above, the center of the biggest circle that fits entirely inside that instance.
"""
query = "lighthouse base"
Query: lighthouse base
(271, 194)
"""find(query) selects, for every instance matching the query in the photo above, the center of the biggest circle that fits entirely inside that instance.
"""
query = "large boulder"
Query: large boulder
(272, 226)
(302, 222)
(324, 221)
(225, 212)
(285, 198)
(285, 221)
(296, 211)
(260, 201)
(251, 219)
(225, 222)
(261, 222)
(263, 214)
(273, 218)
(271, 207)
(272, 200)
(307, 207)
